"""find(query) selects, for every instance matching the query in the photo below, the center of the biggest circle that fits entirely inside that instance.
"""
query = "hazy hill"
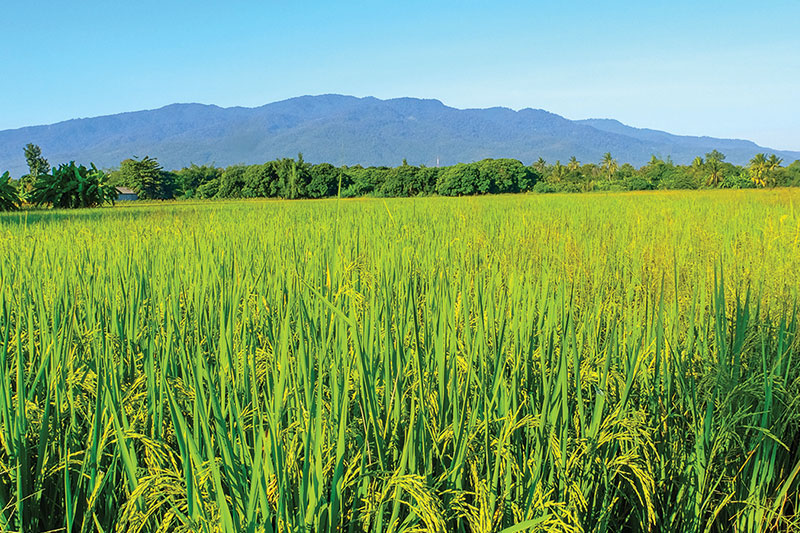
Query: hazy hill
(348, 130)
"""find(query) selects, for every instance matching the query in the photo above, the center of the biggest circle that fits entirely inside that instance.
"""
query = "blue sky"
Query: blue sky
(727, 69)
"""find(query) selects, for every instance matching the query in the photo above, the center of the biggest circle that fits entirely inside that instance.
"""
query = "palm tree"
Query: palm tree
(758, 169)
(573, 164)
(557, 172)
(609, 164)
(714, 172)
(773, 163)
(540, 165)
(713, 164)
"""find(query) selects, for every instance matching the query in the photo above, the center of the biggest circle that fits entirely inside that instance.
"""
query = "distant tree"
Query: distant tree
(556, 173)
(361, 181)
(763, 170)
(633, 179)
(232, 182)
(208, 189)
(292, 178)
(664, 174)
(540, 166)
(299, 178)
(257, 180)
(323, 180)
(773, 167)
(425, 180)
(609, 165)
(713, 166)
(146, 177)
(504, 175)
(573, 164)
(586, 176)
(792, 172)
(400, 181)
(293, 185)
(458, 180)
(37, 166)
(188, 179)
(169, 184)
(9, 197)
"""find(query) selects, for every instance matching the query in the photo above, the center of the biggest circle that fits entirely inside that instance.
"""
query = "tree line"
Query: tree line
(291, 178)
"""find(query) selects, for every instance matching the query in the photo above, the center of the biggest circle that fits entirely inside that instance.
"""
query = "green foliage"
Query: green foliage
(737, 178)
(637, 182)
(209, 189)
(189, 179)
(324, 180)
(674, 178)
(232, 182)
(37, 165)
(147, 178)
(505, 176)
(255, 180)
(72, 186)
(609, 166)
(362, 181)
(545, 187)
(792, 174)
(714, 168)
(766, 171)
(460, 180)
(400, 181)
(295, 178)
(9, 197)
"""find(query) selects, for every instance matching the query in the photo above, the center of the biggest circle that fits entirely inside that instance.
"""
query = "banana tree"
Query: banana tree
(9, 197)
(73, 186)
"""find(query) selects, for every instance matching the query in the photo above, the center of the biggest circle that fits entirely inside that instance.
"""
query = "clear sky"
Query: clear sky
(726, 69)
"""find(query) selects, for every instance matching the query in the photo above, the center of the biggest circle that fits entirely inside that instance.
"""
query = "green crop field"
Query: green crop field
(620, 362)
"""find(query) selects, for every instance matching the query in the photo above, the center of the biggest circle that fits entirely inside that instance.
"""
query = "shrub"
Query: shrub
(544, 187)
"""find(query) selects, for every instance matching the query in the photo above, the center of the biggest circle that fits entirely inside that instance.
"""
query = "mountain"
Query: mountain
(349, 130)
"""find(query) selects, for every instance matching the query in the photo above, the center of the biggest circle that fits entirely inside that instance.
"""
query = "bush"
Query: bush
(638, 183)
(544, 187)
(737, 181)
(677, 179)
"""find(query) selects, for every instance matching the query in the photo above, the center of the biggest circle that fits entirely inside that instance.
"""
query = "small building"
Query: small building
(125, 194)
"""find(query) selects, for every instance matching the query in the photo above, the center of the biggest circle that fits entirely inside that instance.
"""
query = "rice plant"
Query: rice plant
(623, 362)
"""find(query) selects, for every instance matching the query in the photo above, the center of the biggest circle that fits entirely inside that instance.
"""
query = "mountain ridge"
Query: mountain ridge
(343, 129)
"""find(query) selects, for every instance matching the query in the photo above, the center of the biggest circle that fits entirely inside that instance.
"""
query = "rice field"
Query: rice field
(621, 362)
